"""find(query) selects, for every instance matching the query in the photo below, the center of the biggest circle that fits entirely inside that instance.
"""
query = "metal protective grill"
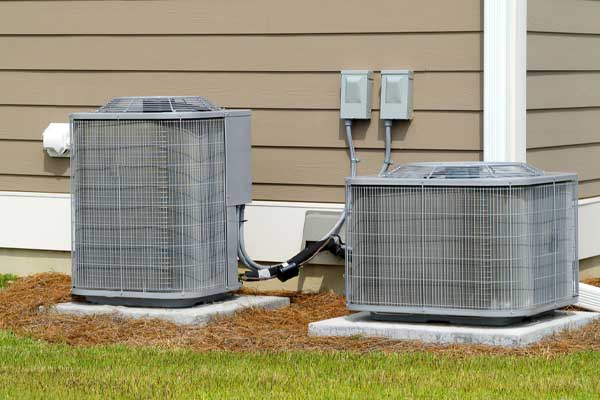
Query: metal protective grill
(149, 207)
(158, 104)
(462, 170)
(458, 248)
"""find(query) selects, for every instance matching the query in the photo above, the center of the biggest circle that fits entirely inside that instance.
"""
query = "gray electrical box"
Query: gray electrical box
(356, 86)
(396, 94)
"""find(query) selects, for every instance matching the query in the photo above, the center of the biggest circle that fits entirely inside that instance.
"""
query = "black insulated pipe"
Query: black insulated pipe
(291, 268)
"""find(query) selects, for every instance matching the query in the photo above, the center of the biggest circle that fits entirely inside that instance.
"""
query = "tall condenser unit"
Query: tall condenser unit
(155, 182)
(461, 242)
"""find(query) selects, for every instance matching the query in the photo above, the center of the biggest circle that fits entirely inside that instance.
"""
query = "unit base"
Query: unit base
(519, 335)
(198, 315)
(452, 319)
(158, 303)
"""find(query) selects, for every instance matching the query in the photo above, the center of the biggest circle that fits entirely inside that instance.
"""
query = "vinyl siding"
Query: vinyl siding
(273, 53)
(563, 89)
(280, 59)
(158, 17)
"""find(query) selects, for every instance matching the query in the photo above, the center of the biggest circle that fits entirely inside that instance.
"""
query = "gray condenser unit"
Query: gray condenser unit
(464, 242)
(155, 182)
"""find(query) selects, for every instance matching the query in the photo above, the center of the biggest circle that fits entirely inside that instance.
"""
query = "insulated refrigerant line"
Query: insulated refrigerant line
(355, 103)
(290, 268)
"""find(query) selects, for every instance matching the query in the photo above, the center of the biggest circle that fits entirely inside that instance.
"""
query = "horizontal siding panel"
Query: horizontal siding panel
(432, 90)
(589, 189)
(310, 166)
(560, 52)
(431, 52)
(308, 193)
(42, 184)
(441, 130)
(237, 16)
(330, 166)
(547, 128)
(547, 90)
(28, 123)
(584, 160)
(28, 158)
(569, 16)
(435, 130)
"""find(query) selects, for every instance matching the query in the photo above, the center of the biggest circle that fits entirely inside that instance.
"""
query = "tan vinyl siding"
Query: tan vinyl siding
(460, 91)
(563, 89)
(298, 53)
(563, 51)
(320, 166)
(562, 127)
(24, 183)
(317, 127)
(280, 59)
(589, 188)
(581, 158)
(567, 16)
(237, 17)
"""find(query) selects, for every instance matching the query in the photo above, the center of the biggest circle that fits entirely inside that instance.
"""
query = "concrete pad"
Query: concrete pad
(197, 315)
(517, 335)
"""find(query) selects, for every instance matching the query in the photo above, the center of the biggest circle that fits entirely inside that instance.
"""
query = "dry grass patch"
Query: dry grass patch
(25, 310)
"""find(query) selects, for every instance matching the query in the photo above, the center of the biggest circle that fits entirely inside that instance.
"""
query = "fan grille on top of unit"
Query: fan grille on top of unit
(464, 171)
(158, 104)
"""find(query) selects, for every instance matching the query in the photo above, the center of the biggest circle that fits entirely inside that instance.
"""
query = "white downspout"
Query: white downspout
(505, 80)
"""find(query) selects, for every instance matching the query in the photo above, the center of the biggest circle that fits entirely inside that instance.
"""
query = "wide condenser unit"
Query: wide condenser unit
(472, 242)
(155, 182)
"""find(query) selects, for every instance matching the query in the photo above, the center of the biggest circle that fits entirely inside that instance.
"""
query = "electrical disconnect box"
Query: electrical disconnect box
(396, 94)
(356, 95)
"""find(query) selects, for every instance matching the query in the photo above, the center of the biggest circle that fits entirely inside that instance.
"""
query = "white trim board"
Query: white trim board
(42, 221)
(504, 80)
(589, 227)
(274, 229)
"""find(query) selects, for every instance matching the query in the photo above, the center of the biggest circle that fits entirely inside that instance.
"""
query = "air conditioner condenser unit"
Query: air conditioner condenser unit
(461, 242)
(155, 182)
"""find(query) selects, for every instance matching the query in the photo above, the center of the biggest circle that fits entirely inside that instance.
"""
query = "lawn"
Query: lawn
(6, 278)
(35, 369)
(56, 356)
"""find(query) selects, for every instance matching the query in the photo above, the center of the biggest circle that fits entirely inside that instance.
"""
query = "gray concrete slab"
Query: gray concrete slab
(197, 315)
(518, 335)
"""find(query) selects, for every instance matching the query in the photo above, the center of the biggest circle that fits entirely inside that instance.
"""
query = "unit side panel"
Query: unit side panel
(238, 159)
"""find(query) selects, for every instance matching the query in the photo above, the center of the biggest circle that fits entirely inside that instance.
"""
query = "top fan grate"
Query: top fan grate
(158, 104)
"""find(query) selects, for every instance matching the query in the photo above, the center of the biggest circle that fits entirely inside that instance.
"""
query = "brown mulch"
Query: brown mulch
(592, 281)
(25, 309)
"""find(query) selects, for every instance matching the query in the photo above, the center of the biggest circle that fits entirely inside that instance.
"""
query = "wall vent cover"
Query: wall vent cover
(445, 241)
(155, 182)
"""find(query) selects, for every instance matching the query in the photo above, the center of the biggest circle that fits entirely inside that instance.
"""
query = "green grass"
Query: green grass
(4, 278)
(32, 369)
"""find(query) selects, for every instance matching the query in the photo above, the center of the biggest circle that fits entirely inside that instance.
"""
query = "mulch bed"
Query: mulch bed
(25, 310)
